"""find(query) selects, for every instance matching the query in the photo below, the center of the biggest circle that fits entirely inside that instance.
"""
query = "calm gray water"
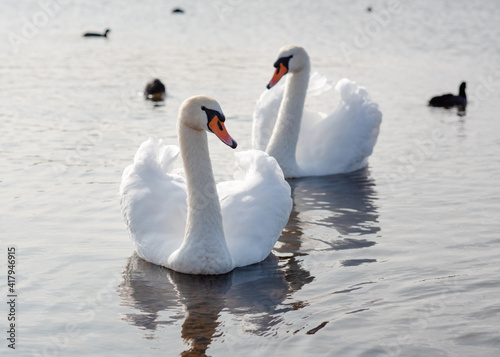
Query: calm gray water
(399, 259)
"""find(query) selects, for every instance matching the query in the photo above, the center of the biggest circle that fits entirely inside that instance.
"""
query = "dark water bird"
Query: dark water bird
(93, 34)
(451, 100)
(155, 90)
(177, 10)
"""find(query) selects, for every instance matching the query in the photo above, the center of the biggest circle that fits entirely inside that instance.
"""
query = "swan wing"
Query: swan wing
(268, 104)
(318, 83)
(342, 141)
(256, 209)
(153, 201)
(265, 115)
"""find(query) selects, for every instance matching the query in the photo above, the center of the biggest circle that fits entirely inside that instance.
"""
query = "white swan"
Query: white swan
(309, 144)
(182, 224)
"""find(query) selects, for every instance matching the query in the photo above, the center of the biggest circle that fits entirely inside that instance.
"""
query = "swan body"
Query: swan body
(191, 225)
(311, 144)
(450, 100)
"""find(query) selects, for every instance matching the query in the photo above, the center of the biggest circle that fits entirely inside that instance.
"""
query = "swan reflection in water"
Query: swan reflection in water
(339, 205)
(257, 291)
(331, 213)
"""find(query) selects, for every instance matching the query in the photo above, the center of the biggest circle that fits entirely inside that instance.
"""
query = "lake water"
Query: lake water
(399, 259)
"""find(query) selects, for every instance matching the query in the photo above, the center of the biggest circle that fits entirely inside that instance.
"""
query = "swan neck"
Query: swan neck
(204, 219)
(283, 142)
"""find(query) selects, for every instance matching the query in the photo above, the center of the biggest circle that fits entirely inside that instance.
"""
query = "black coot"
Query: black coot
(450, 100)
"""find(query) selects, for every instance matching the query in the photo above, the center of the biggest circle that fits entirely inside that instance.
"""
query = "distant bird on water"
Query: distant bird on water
(450, 100)
(155, 90)
(93, 34)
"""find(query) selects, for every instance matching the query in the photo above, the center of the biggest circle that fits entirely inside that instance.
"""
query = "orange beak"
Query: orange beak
(280, 72)
(217, 127)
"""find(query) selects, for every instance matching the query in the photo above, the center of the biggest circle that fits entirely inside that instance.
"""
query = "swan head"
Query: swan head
(291, 58)
(204, 113)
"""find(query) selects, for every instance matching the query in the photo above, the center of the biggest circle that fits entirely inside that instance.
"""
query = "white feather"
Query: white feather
(153, 199)
(340, 142)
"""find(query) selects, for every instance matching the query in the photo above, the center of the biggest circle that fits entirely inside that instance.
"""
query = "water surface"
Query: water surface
(399, 259)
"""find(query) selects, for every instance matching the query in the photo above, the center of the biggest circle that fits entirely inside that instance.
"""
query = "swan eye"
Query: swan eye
(213, 114)
(283, 60)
